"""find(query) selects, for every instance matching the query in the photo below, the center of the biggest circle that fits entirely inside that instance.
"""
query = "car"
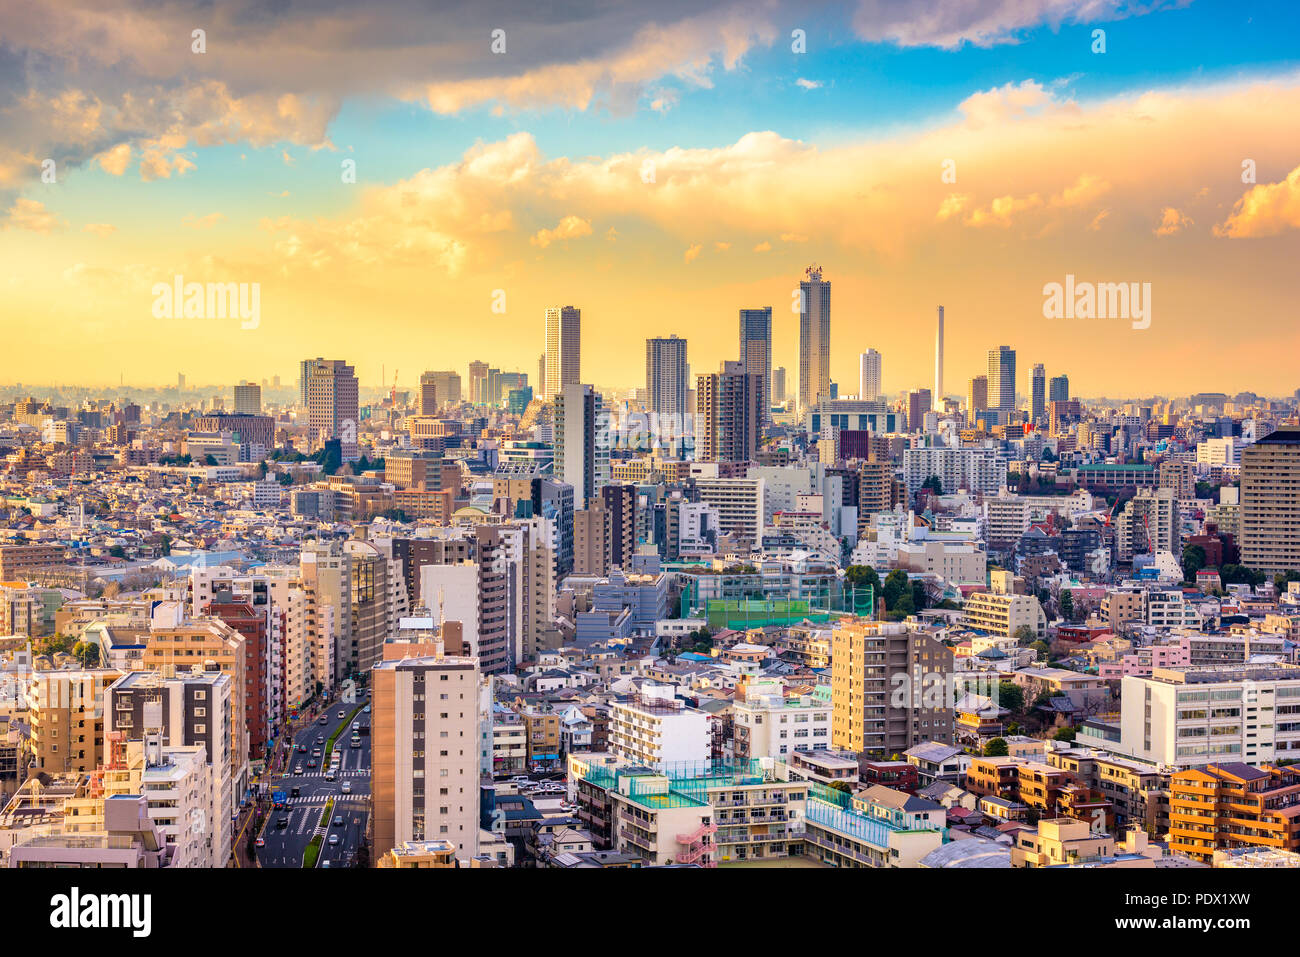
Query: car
(260, 842)
(331, 774)
(338, 821)
(311, 763)
(343, 714)
(324, 863)
(282, 823)
(323, 719)
(334, 839)
(302, 749)
(315, 752)
(356, 725)
(347, 787)
(366, 709)
(298, 769)
(279, 806)
(295, 792)
(320, 739)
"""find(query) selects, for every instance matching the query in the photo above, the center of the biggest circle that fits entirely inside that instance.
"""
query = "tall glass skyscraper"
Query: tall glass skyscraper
(814, 338)
(1002, 379)
(563, 349)
(756, 353)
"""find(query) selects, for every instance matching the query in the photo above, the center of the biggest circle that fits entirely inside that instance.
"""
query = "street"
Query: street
(285, 846)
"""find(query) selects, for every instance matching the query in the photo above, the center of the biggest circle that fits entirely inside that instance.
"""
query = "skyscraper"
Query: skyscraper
(248, 399)
(756, 352)
(1002, 379)
(778, 384)
(477, 381)
(977, 398)
(438, 389)
(1059, 389)
(727, 418)
(814, 338)
(666, 376)
(563, 349)
(1037, 393)
(329, 387)
(938, 364)
(581, 442)
(541, 374)
(869, 376)
(918, 403)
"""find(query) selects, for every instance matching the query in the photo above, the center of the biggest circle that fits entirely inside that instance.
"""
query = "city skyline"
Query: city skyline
(1011, 156)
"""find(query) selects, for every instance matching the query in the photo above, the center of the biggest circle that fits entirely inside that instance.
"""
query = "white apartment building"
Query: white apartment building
(655, 727)
(977, 470)
(958, 562)
(740, 504)
(1167, 609)
(771, 724)
(1183, 717)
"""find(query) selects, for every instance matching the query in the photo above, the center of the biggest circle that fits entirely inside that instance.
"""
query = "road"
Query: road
(284, 847)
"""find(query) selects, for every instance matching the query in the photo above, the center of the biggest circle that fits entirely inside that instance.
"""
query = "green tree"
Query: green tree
(1025, 636)
(1042, 648)
(859, 575)
(997, 748)
(210, 459)
(1193, 561)
(933, 484)
(1065, 734)
(1011, 697)
(1067, 606)
(896, 585)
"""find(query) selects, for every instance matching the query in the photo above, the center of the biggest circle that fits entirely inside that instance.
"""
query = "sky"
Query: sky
(409, 190)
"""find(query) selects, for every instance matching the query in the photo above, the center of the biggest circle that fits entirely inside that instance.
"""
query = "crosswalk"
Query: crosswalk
(320, 799)
(359, 773)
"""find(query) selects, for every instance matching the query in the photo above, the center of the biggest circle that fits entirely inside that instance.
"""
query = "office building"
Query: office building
(438, 389)
(477, 374)
(1038, 394)
(756, 353)
(778, 385)
(330, 391)
(918, 403)
(563, 349)
(814, 338)
(977, 398)
(1059, 389)
(1002, 379)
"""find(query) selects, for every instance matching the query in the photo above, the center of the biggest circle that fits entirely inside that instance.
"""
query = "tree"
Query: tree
(997, 748)
(210, 459)
(1067, 606)
(87, 653)
(1025, 636)
(1011, 697)
(1065, 734)
(1042, 648)
(1193, 561)
(859, 575)
(896, 585)
(933, 484)
(843, 786)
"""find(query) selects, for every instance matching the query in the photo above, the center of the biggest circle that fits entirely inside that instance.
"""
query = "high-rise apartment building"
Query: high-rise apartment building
(425, 765)
(330, 394)
(880, 673)
(666, 376)
(1038, 394)
(248, 399)
(728, 417)
(1002, 379)
(1270, 502)
(581, 441)
(1058, 389)
(1148, 524)
(778, 385)
(869, 378)
(66, 719)
(814, 338)
(477, 374)
(756, 353)
(563, 349)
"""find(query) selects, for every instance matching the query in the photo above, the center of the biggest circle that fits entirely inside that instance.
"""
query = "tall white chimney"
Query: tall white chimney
(937, 399)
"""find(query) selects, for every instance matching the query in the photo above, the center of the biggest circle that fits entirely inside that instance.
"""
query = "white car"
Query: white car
(334, 839)
(347, 787)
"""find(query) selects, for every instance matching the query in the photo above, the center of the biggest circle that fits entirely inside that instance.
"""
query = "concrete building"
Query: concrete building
(1003, 615)
(654, 726)
(667, 374)
(814, 339)
(756, 355)
(1270, 503)
(728, 414)
(869, 375)
(563, 350)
